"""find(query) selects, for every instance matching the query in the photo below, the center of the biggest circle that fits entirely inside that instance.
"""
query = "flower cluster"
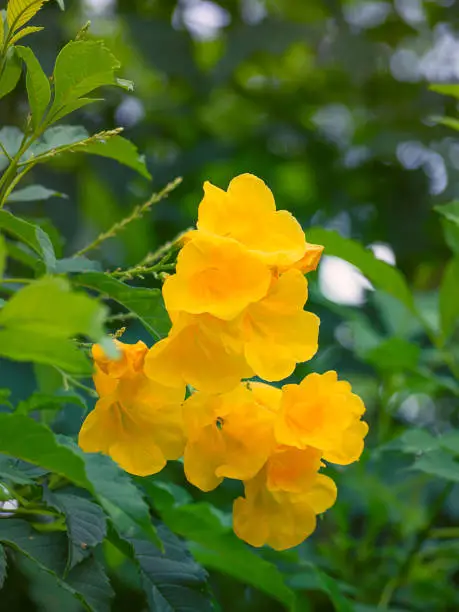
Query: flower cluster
(236, 303)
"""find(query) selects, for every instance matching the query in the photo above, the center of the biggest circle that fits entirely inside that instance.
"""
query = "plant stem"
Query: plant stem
(73, 382)
(404, 571)
(137, 213)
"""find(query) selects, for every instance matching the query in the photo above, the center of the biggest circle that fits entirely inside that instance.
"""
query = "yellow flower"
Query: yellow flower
(281, 519)
(200, 351)
(108, 371)
(137, 422)
(247, 213)
(322, 412)
(229, 435)
(267, 340)
(276, 332)
(215, 276)
(292, 469)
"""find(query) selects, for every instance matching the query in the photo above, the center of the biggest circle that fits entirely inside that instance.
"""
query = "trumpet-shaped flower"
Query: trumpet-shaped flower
(247, 213)
(276, 332)
(216, 276)
(107, 371)
(323, 413)
(229, 435)
(200, 351)
(137, 422)
(278, 518)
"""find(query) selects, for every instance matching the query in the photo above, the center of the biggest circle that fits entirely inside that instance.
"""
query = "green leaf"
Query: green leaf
(37, 83)
(414, 441)
(46, 549)
(438, 463)
(448, 122)
(147, 304)
(87, 581)
(20, 12)
(395, 354)
(90, 580)
(172, 580)
(450, 211)
(30, 234)
(28, 440)
(77, 264)
(25, 32)
(11, 138)
(19, 472)
(3, 254)
(86, 522)
(329, 585)
(55, 401)
(81, 67)
(5, 393)
(38, 322)
(216, 547)
(11, 72)
(56, 137)
(122, 150)
(34, 193)
(449, 298)
(382, 275)
(74, 106)
(3, 566)
(447, 90)
(450, 441)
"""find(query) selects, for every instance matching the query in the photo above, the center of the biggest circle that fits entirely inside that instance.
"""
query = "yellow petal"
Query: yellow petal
(292, 470)
(202, 457)
(323, 494)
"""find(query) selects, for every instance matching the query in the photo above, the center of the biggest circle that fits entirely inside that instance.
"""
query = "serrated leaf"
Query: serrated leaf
(24, 438)
(172, 580)
(216, 547)
(123, 151)
(34, 193)
(449, 299)
(30, 234)
(382, 275)
(19, 12)
(90, 580)
(38, 322)
(438, 463)
(147, 304)
(25, 32)
(19, 472)
(81, 67)
(37, 83)
(3, 560)
(86, 522)
(11, 72)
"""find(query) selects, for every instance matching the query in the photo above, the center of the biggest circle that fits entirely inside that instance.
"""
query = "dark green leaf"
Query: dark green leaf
(122, 150)
(414, 441)
(11, 72)
(382, 275)
(56, 137)
(449, 299)
(449, 211)
(43, 401)
(216, 547)
(81, 67)
(74, 106)
(34, 193)
(450, 441)
(3, 566)
(5, 396)
(86, 522)
(3, 254)
(438, 463)
(90, 581)
(38, 87)
(147, 304)
(172, 580)
(19, 472)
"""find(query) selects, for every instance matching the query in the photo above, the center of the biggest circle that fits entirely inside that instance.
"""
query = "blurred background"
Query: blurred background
(328, 101)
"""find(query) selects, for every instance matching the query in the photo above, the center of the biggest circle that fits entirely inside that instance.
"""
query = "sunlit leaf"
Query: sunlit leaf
(449, 298)
(19, 12)
(11, 72)
(38, 87)
(25, 32)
